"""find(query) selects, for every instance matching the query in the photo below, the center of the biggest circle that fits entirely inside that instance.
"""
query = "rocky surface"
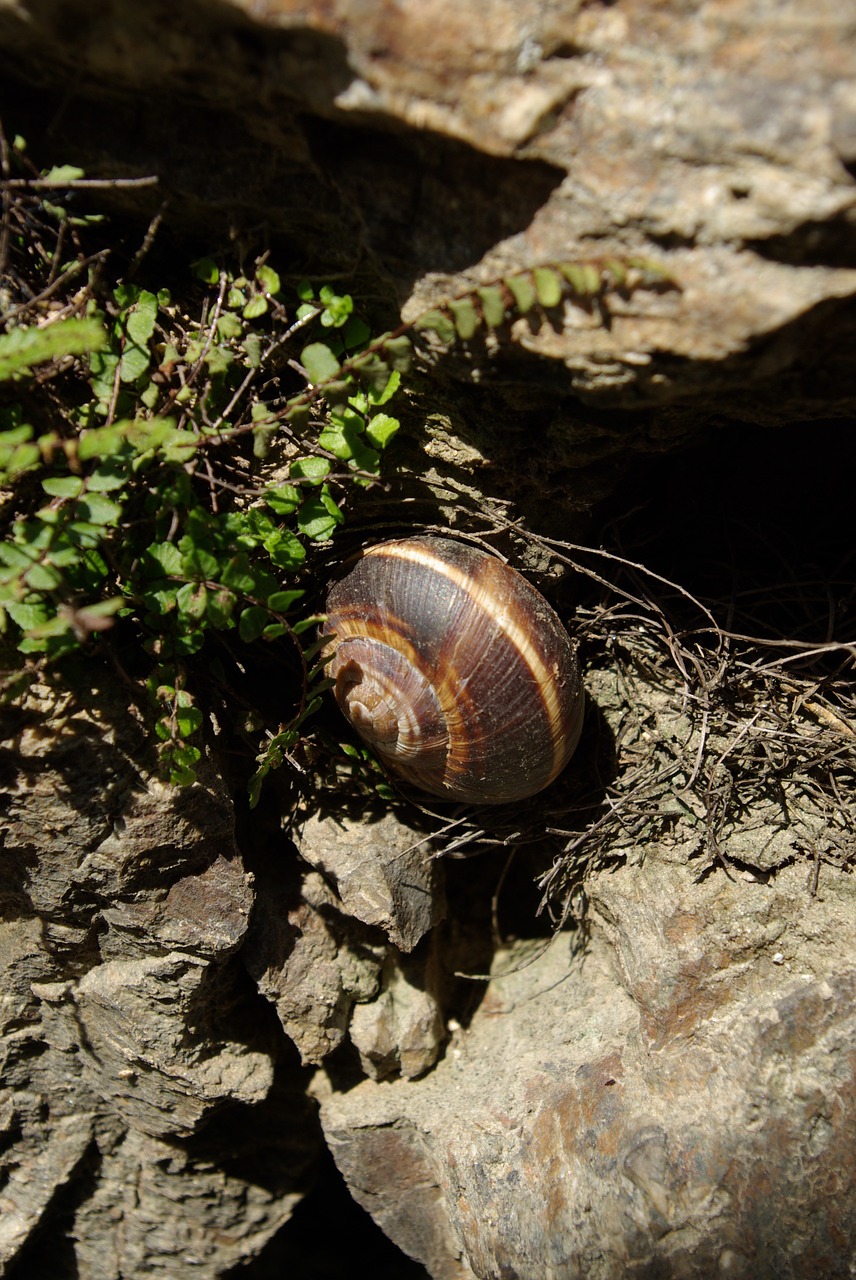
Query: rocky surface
(675, 1097)
(125, 1026)
(435, 145)
(670, 1092)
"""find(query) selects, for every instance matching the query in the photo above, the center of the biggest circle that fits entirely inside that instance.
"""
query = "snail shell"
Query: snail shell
(454, 669)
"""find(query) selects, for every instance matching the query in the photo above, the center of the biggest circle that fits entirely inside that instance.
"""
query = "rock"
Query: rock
(188, 1216)
(402, 1029)
(330, 976)
(130, 1019)
(679, 1109)
(128, 1040)
(301, 959)
(675, 1096)
(440, 146)
(382, 871)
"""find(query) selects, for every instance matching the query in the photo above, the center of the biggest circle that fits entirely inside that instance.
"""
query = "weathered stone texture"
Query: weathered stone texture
(689, 1108)
(124, 902)
(676, 1096)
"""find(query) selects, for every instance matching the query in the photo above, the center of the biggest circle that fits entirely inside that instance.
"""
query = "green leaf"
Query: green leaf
(238, 575)
(63, 486)
(281, 601)
(188, 720)
(338, 441)
(62, 174)
(206, 269)
(150, 395)
(252, 622)
(380, 397)
(318, 517)
(220, 607)
(268, 279)
(218, 359)
(286, 551)
(84, 534)
(23, 348)
(15, 435)
(548, 286)
(298, 415)
(284, 499)
(42, 577)
(261, 438)
(100, 442)
(381, 429)
(188, 642)
(440, 323)
(161, 600)
(346, 418)
(493, 305)
(192, 600)
(162, 559)
(583, 277)
(336, 391)
(346, 443)
(305, 291)
(196, 562)
(104, 608)
(16, 557)
(57, 211)
(465, 316)
(617, 271)
(252, 346)
(103, 366)
(134, 362)
(337, 310)
(22, 458)
(313, 470)
(141, 320)
(229, 326)
(305, 624)
(107, 477)
(179, 446)
(398, 352)
(319, 362)
(27, 615)
(126, 294)
(257, 306)
(653, 273)
(523, 292)
(98, 509)
(355, 333)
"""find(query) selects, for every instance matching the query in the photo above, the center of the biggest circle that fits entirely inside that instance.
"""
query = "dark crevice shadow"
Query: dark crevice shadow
(343, 194)
(428, 202)
(309, 1247)
(756, 519)
(830, 243)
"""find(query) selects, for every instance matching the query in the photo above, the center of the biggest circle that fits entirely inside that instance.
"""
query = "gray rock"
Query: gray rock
(671, 1095)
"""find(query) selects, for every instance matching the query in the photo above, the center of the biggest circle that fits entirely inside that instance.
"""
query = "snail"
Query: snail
(454, 669)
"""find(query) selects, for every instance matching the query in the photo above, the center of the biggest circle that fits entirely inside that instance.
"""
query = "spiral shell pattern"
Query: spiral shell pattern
(454, 669)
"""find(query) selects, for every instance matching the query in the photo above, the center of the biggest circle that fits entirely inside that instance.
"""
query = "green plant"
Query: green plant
(196, 458)
(172, 454)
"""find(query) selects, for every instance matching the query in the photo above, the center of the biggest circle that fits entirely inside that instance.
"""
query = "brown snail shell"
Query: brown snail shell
(454, 669)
